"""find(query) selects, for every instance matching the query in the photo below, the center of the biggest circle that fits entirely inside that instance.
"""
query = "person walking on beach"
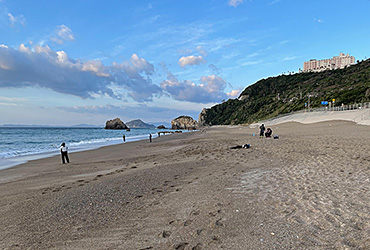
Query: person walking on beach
(124, 138)
(150, 137)
(262, 130)
(64, 152)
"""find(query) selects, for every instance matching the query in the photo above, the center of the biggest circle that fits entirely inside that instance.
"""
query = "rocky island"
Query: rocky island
(115, 124)
(184, 122)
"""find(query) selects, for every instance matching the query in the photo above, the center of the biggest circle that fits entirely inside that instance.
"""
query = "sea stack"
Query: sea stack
(184, 122)
(115, 124)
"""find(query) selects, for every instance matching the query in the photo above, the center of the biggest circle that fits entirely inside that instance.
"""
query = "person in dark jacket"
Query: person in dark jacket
(64, 152)
(262, 130)
(268, 133)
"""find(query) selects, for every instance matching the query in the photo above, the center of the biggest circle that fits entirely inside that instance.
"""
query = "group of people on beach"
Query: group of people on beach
(268, 133)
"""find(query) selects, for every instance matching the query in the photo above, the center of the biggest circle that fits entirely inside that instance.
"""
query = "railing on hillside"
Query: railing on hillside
(364, 105)
(364, 116)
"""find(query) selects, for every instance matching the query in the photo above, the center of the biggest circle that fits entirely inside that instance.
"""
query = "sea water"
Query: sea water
(18, 145)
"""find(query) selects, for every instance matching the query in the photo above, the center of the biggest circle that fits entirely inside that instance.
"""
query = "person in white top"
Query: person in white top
(64, 152)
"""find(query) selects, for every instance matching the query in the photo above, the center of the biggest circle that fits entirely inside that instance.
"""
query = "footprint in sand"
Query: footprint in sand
(219, 223)
(187, 223)
(197, 247)
(181, 246)
(166, 234)
(195, 213)
(216, 238)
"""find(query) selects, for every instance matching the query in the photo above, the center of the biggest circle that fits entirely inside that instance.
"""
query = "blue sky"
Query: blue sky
(72, 62)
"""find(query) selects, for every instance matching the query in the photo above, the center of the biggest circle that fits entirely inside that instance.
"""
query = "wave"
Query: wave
(47, 141)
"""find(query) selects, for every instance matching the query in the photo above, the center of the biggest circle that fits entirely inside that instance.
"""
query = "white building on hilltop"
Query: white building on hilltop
(337, 62)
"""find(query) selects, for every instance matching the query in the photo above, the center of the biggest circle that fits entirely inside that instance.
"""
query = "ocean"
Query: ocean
(19, 145)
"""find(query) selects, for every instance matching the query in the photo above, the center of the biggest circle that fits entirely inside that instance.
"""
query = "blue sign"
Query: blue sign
(324, 102)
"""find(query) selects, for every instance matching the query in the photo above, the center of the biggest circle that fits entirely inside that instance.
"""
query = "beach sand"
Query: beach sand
(310, 189)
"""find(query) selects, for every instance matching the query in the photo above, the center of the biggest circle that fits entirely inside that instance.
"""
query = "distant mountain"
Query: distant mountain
(139, 124)
(166, 124)
(86, 126)
(272, 96)
(49, 126)
(24, 126)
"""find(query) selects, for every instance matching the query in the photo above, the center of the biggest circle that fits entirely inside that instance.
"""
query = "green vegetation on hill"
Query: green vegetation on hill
(286, 93)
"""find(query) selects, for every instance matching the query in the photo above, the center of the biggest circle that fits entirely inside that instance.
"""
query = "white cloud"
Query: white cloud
(289, 58)
(23, 48)
(274, 2)
(234, 93)
(42, 67)
(250, 63)
(127, 113)
(191, 60)
(16, 20)
(235, 3)
(95, 66)
(11, 99)
(209, 90)
(201, 50)
(63, 34)
(142, 64)
(8, 104)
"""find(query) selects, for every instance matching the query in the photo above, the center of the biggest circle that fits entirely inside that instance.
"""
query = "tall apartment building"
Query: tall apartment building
(337, 62)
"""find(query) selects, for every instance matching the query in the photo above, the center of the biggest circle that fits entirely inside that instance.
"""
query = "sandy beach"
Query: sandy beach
(309, 189)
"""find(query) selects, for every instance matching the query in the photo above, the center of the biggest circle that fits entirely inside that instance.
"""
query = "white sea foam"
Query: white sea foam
(19, 145)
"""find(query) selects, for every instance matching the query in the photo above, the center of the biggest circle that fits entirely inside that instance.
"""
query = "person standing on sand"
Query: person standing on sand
(262, 130)
(124, 138)
(64, 152)
(150, 137)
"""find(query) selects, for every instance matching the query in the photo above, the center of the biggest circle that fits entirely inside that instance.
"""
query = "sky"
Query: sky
(85, 62)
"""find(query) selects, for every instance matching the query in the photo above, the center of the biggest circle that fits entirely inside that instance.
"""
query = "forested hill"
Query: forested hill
(285, 93)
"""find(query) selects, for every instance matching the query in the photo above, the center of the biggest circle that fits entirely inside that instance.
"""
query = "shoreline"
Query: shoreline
(307, 189)
(22, 159)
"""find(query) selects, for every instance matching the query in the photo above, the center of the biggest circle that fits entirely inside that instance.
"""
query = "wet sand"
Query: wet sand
(310, 189)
